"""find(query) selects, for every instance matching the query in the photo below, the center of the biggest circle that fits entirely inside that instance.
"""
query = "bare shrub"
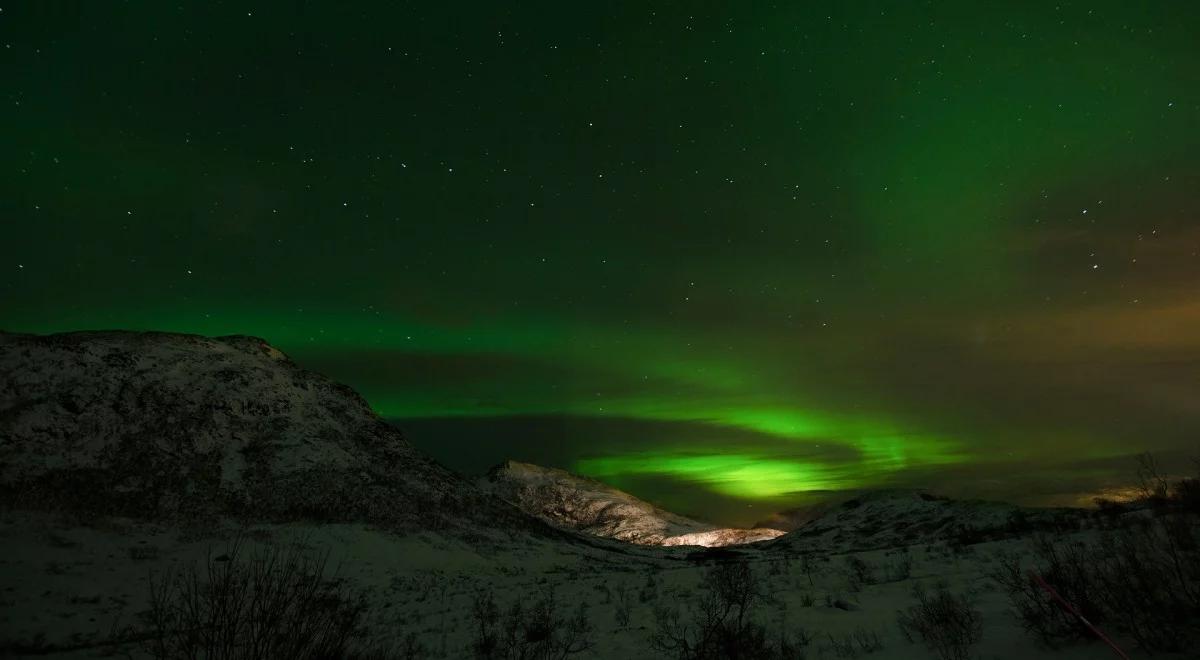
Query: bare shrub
(540, 631)
(1153, 487)
(947, 624)
(410, 648)
(858, 572)
(808, 566)
(900, 568)
(1141, 578)
(1040, 617)
(842, 646)
(860, 641)
(624, 602)
(721, 624)
(486, 616)
(649, 591)
(275, 603)
(1063, 566)
(867, 640)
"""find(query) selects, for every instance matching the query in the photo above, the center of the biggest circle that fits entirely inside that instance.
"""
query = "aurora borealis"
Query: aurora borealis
(728, 257)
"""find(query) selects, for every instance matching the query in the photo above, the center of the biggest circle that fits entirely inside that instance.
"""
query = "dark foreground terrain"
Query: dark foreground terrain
(179, 496)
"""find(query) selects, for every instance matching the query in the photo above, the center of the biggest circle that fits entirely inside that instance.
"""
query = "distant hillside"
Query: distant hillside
(892, 518)
(177, 426)
(791, 519)
(586, 505)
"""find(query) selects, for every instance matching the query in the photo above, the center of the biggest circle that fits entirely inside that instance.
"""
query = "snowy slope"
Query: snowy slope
(896, 518)
(165, 425)
(586, 505)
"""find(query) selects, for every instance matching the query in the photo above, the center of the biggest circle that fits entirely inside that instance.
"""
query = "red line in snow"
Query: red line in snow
(1076, 613)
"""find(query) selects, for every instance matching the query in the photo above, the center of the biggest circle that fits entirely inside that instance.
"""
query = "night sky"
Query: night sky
(730, 258)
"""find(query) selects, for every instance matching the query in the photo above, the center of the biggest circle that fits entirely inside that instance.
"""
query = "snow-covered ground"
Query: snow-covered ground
(69, 585)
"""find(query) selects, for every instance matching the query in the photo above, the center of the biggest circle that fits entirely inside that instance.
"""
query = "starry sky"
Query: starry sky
(731, 257)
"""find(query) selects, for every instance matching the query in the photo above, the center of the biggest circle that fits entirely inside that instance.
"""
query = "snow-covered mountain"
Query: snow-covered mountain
(170, 426)
(586, 505)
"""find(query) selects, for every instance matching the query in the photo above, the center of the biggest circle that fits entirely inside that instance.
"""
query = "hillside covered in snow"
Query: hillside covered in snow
(897, 518)
(586, 505)
(173, 426)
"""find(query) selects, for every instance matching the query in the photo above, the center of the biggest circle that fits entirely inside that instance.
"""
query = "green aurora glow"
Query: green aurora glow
(729, 259)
